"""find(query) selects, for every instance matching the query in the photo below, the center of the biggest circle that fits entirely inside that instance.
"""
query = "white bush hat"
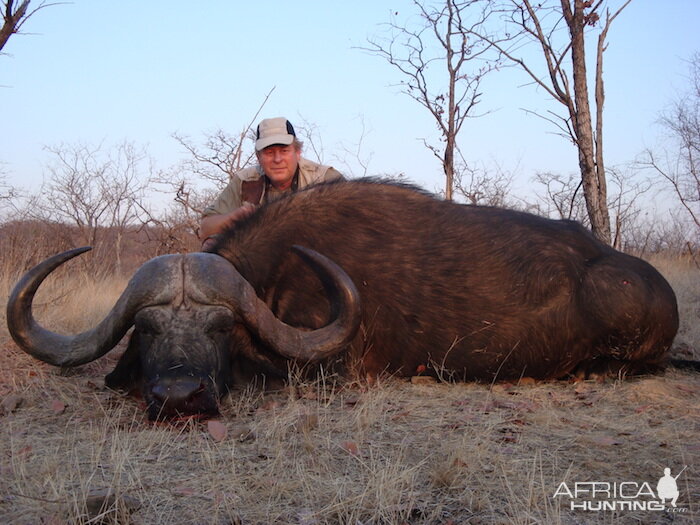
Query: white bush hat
(274, 131)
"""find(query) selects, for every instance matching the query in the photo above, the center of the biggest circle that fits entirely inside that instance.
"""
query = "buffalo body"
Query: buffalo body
(391, 280)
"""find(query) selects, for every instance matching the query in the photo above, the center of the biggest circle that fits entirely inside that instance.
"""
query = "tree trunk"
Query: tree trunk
(448, 166)
(12, 21)
(594, 187)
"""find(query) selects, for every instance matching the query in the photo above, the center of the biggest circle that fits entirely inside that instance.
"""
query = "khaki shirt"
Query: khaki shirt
(230, 198)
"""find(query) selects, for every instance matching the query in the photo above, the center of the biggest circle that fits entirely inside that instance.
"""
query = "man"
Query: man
(667, 488)
(281, 169)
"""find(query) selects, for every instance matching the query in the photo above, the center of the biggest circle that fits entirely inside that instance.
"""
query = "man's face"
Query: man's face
(279, 163)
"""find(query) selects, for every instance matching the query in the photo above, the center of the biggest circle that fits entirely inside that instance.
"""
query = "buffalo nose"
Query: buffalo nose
(177, 393)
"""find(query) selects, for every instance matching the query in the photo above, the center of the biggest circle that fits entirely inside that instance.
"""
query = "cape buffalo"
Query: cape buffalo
(390, 279)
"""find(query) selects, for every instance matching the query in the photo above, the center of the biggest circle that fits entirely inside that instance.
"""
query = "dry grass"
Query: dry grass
(684, 276)
(318, 453)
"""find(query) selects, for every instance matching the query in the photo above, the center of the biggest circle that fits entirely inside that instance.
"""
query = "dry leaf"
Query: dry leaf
(217, 430)
(57, 406)
(350, 447)
(184, 490)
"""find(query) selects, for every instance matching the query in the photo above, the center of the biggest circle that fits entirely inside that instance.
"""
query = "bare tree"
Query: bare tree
(650, 233)
(97, 193)
(14, 16)
(482, 186)
(443, 66)
(561, 196)
(7, 191)
(559, 28)
(124, 188)
(312, 138)
(353, 158)
(679, 166)
(171, 231)
(563, 199)
(73, 193)
(628, 189)
(221, 155)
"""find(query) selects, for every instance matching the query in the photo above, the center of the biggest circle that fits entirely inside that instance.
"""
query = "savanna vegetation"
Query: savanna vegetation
(327, 451)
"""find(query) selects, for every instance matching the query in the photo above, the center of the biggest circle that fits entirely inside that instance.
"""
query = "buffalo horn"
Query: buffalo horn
(220, 282)
(321, 343)
(62, 350)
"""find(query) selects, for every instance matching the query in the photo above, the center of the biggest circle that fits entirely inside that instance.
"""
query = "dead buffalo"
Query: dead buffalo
(390, 279)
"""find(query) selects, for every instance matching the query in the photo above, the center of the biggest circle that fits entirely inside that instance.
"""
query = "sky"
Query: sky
(101, 72)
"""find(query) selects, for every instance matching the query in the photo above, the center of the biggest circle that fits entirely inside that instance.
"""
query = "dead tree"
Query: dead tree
(100, 194)
(7, 191)
(559, 28)
(679, 164)
(627, 190)
(482, 186)
(443, 66)
(561, 197)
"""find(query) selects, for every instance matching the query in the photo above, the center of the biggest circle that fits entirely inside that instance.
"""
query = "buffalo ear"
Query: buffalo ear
(127, 374)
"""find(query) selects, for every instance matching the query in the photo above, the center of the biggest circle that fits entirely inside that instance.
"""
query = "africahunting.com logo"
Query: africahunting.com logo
(622, 495)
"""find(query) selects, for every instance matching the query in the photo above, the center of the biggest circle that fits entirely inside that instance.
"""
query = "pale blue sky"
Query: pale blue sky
(99, 70)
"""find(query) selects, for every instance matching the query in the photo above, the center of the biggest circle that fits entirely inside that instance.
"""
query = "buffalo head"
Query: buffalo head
(185, 310)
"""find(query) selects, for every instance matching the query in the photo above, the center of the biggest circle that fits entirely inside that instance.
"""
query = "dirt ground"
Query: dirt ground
(396, 452)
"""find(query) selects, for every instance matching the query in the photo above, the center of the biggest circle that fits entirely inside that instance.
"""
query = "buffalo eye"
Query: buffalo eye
(146, 326)
(221, 323)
